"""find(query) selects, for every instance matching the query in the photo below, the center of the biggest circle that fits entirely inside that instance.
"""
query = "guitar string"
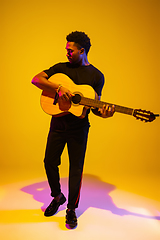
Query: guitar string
(99, 104)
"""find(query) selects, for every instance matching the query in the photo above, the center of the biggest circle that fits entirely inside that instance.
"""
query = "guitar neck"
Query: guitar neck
(99, 104)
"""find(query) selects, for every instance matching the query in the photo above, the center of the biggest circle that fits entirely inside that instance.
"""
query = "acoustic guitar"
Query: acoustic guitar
(84, 95)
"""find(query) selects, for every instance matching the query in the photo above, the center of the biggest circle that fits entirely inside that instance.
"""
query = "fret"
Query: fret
(99, 104)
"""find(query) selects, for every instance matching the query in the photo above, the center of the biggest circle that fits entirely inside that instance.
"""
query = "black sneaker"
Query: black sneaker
(54, 205)
(71, 219)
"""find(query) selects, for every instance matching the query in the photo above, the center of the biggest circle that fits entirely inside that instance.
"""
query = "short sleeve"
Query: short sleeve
(53, 70)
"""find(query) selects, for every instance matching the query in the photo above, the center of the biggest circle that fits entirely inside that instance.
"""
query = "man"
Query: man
(69, 128)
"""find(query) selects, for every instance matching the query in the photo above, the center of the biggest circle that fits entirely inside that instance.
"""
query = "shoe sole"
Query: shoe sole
(71, 225)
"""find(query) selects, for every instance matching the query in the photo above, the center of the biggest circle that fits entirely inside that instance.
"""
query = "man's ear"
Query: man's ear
(82, 50)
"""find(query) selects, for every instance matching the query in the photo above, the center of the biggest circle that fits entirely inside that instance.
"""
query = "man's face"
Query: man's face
(74, 54)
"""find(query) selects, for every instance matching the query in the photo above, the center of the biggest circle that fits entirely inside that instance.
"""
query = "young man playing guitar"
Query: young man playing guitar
(68, 128)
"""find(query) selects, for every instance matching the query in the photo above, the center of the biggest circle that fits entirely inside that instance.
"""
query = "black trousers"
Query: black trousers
(76, 143)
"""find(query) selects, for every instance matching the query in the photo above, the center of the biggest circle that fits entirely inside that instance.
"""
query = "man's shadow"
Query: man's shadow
(94, 193)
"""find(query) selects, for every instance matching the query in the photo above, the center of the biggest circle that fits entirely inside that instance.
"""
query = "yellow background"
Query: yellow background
(125, 47)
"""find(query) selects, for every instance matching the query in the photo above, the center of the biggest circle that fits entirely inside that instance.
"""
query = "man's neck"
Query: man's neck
(84, 61)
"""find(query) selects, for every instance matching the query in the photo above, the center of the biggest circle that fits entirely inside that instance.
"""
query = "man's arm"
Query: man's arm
(41, 81)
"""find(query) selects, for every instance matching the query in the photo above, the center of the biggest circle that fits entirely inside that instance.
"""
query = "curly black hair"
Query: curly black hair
(80, 39)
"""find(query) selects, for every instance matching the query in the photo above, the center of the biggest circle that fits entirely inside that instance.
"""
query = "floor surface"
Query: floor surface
(104, 212)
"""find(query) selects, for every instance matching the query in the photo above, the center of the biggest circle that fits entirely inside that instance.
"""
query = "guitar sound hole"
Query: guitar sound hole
(76, 99)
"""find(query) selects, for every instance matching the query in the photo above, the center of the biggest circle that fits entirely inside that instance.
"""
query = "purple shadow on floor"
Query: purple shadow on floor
(94, 193)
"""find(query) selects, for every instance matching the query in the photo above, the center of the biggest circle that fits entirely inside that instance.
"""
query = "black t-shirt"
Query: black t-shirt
(80, 75)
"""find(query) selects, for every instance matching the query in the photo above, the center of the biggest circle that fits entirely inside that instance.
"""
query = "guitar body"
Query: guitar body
(60, 108)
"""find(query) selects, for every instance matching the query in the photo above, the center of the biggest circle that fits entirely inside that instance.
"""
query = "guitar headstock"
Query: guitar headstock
(144, 115)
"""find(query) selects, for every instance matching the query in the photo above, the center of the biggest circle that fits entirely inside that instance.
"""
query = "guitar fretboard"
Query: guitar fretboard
(99, 104)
